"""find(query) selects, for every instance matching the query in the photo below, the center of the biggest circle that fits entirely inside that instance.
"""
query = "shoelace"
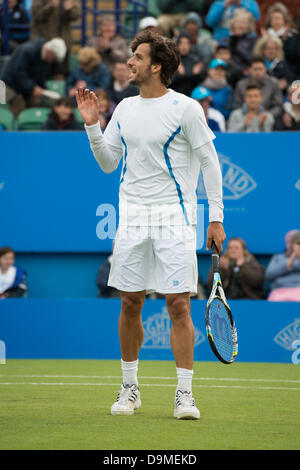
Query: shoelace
(126, 393)
(184, 398)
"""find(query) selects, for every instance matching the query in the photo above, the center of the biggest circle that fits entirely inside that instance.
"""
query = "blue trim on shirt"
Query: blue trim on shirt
(168, 162)
(18, 279)
(125, 154)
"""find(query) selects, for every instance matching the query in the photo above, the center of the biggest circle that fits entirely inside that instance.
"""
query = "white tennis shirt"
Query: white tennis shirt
(159, 139)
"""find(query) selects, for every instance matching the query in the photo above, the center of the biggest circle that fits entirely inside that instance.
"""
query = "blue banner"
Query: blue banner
(55, 198)
(88, 329)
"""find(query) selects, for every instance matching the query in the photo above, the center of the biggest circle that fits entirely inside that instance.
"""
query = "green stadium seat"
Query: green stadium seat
(7, 119)
(77, 115)
(57, 85)
(32, 118)
(72, 62)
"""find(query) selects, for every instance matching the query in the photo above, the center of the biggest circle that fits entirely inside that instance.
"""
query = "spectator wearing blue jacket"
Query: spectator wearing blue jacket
(221, 12)
(217, 85)
(90, 72)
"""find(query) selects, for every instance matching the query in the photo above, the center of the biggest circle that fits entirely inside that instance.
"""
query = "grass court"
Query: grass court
(65, 405)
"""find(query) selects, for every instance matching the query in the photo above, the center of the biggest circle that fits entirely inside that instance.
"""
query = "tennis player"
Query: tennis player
(164, 140)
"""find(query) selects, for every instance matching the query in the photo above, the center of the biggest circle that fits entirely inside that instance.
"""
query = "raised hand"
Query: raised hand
(88, 106)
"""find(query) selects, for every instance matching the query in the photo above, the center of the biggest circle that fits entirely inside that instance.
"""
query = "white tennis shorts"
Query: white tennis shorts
(155, 259)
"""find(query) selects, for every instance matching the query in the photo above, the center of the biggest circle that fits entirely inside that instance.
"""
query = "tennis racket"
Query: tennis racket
(220, 327)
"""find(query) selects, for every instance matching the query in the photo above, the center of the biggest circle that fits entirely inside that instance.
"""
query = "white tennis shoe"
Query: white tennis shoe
(185, 407)
(128, 400)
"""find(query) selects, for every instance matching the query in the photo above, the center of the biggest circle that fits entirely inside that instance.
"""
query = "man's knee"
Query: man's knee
(132, 302)
(178, 306)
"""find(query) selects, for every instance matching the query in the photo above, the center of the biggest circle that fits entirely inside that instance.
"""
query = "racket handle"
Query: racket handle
(215, 258)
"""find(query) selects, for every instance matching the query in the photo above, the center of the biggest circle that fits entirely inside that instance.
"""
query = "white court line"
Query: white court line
(233, 379)
(67, 384)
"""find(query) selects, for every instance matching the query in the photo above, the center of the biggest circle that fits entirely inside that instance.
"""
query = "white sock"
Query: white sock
(184, 379)
(130, 370)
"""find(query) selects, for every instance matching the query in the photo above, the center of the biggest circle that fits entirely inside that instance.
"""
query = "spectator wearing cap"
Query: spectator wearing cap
(12, 278)
(272, 97)
(119, 88)
(283, 271)
(62, 118)
(289, 120)
(214, 118)
(233, 72)
(251, 117)
(221, 12)
(220, 90)
(90, 73)
(190, 68)
(149, 22)
(271, 49)
(242, 38)
(27, 70)
(201, 39)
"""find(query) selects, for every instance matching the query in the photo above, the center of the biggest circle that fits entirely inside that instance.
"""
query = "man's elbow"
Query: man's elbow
(107, 168)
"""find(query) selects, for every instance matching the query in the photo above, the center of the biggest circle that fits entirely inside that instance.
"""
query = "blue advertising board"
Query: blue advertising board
(88, 329)
(54, 197)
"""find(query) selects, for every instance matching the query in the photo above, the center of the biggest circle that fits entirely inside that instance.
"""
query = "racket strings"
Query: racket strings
(221, 329)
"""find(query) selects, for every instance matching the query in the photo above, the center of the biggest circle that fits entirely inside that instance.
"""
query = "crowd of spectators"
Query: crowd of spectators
(241, 57)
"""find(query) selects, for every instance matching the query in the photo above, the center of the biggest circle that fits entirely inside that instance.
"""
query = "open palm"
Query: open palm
(88, 106)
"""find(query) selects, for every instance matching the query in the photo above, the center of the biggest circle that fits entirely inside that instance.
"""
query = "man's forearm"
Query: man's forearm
(212, 176)
(108, 157)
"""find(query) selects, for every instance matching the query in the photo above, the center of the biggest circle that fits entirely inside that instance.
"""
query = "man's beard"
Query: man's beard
(142, 78)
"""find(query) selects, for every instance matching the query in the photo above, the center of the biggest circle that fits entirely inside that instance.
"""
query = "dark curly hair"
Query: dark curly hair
(163, 51)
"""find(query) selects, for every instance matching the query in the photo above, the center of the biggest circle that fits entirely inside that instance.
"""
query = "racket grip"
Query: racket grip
(215, 258)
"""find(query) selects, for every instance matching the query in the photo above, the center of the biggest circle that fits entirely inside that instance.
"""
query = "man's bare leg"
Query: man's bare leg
(182, 332)
(131, 332)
